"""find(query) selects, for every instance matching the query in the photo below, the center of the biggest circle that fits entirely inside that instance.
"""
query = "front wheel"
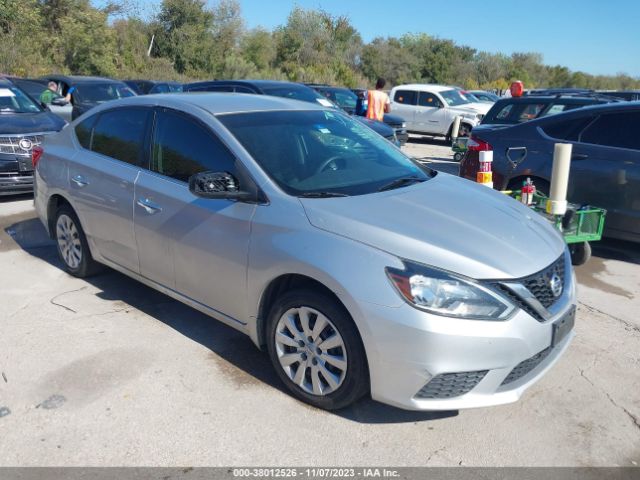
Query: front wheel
(580, 253)
(316, 350)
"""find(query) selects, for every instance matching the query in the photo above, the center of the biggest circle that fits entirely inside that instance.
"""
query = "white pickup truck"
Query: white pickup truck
(431, 109)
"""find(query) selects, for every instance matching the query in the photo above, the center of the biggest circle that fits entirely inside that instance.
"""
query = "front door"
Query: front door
(196, 246)
(430, 116)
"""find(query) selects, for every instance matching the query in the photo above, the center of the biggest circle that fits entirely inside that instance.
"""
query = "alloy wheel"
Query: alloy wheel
(69, 241)
(311, 351)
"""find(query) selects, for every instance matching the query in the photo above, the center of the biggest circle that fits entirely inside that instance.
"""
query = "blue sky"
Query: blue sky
(594, 36)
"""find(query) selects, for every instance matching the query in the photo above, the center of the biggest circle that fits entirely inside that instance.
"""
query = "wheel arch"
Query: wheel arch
(53, 204)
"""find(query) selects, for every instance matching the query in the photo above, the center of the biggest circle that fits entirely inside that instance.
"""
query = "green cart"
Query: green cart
(459, 146)
(579, 226)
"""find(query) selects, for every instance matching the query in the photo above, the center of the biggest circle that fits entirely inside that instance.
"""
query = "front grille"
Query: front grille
(526, 366)
(11, 144)
(539, 283)
(449, 385)
(519, 302)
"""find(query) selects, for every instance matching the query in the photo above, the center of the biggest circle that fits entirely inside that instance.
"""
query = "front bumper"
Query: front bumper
(471, 363)
(16, 184)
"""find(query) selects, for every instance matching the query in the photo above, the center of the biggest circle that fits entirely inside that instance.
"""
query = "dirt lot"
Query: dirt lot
(106, 371)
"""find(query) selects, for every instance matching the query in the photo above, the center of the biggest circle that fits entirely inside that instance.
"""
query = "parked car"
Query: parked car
(513, 110)
(291, 90)
(148, 87)
(89, 91)
(23, 125)
(605, 166)
(484, 96)
(431, 109)
(628, 95)
(347, 100)
(296, 225)
(34, 88)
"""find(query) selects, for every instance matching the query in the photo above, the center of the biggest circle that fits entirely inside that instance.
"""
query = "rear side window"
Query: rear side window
(614, 130)
(119, 134)
(183, 147)
(568, 129)
(530, 111)
(426, 99)
(406, 97)
(83, 131)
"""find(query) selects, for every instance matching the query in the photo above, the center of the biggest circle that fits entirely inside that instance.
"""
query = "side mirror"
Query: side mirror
(60, 102)
(516, 155)
(216, 185)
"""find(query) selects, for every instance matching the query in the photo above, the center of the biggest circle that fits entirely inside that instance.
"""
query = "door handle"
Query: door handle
(79, 180)
(579, 156)
(149, 206)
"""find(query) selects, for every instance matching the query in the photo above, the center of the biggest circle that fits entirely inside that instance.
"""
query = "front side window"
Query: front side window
(406, 97)
(119, 134)
(321, 151)
(566, 129)
(183, 147)
(426, 99)
(102, 92)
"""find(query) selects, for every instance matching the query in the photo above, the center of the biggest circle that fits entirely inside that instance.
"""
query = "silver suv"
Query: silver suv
(358, 270)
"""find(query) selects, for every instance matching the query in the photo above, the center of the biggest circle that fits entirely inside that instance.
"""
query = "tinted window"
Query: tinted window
(503, 114)
(212, 88)
(244, 90)
(160, 88)
(94, 93)
(567, 129)
(614, 130)
(83, 131)
(407, 97)
(530, 111)
(182, 147)
(119, 134)
(426, 99)
(295, 92)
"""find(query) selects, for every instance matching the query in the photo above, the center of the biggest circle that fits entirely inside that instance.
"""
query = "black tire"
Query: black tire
(355, 383)
(86, 265)
(580, 253)
(457, 157)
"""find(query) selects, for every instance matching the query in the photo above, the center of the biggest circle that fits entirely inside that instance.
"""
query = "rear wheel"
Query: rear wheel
(316, 349)
(71, 241)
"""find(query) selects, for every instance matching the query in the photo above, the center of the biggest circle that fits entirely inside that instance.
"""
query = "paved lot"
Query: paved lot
(106, 371)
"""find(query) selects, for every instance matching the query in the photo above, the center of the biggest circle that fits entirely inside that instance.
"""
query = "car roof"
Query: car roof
(549, 98)
(255, 83)
(425, 87)
(5, 82)
(80, 79)
(216, 103)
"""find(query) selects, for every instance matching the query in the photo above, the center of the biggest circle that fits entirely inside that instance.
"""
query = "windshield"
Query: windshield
(293, 92)
(342, 97)
(14, 100)
(308, 152)
(102, 92)
(454, 98)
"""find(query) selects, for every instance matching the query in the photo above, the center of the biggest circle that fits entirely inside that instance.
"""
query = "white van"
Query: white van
(431, 109)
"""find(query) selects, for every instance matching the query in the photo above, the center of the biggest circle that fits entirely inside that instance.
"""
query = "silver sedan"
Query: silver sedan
(358, 270)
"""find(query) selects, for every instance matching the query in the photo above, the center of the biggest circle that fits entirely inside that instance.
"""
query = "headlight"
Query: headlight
(443, 293)
(479, 117)
(403, 125)
(470, 116)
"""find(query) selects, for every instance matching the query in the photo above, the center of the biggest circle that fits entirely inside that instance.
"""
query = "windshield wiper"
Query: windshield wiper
(322, 194)
(401, 182)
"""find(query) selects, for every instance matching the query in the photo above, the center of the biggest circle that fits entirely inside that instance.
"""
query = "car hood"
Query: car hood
(379, 127)
(446, 222)
(27, 123)
(481, 108)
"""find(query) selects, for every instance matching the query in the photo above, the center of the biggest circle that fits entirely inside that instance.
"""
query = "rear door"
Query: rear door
(102, 176)
(193, 245)
(404, 104)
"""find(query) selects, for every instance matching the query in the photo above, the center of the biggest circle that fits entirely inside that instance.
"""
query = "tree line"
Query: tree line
(189, 40)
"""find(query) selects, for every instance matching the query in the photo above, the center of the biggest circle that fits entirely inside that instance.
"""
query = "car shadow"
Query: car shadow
(236, 355)
(612, 249)
(15, 197)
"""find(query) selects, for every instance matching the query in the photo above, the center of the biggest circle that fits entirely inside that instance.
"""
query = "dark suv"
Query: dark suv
(89, 91)
(514, 110)
(348, 100)
(605, 164)
(291, 90)
(23, 125)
